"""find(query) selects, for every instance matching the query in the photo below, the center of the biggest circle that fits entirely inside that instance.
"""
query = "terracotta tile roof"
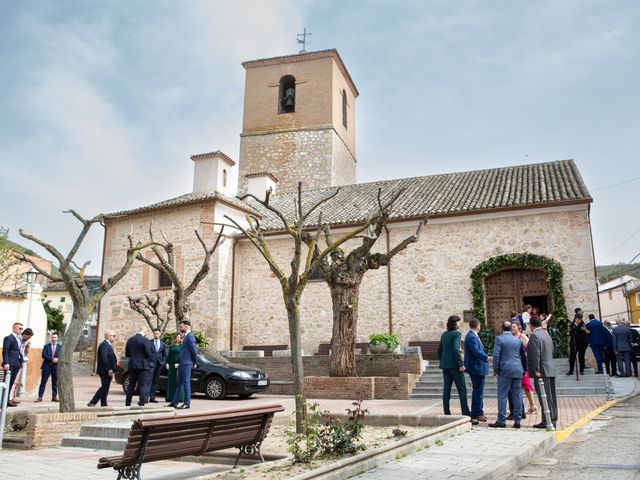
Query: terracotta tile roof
(217, 153)
(186, 199)
(480, 191)
(305, 57)
(12, 294)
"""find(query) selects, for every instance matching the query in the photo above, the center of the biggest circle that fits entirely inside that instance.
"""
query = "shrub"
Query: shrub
(326, 434)
(391, 340)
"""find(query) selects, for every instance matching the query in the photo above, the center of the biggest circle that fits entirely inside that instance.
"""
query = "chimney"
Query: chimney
(212, 172)
(259, 183)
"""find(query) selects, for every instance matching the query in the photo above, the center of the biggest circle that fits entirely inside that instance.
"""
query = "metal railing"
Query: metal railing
(4, 399)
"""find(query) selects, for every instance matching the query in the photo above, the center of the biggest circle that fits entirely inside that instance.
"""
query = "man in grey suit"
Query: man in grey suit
(508, 367)
(541, 365)
(622, 348)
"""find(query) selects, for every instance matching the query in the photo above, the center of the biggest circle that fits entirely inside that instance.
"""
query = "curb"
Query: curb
(562, 435)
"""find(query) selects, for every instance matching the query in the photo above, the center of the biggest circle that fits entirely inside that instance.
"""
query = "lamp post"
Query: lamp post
(30, 278)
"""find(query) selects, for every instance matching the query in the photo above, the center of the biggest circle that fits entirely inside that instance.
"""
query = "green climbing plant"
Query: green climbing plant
(554, 273)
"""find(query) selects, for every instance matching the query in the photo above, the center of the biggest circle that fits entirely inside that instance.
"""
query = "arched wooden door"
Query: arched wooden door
(511, 289)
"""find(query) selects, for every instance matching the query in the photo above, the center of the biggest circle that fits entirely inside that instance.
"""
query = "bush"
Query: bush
(201, 341)
(326, 434)
(391, 340)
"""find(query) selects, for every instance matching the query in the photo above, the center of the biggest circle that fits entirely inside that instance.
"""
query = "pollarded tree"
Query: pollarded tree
(344, 273)
(84, 299)
(148, 305)
(165, 263)
(302, 265)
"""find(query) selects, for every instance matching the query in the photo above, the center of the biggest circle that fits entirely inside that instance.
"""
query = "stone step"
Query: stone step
(106, 430)
(96, 443)
(494, 385)
(561, 392)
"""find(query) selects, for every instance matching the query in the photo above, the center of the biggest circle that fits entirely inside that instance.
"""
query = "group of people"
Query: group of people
(147, 357)
(517, 358)
(615, 348)
(15, 348)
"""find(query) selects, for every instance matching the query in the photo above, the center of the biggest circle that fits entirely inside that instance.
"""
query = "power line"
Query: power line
(623, 243)
(616, 184)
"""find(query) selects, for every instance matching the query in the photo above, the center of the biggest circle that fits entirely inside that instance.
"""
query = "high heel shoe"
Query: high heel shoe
(533, 410)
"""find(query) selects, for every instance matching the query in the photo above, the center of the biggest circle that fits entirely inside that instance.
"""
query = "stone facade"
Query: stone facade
(429, 280)
(210, 303)
(316, 157)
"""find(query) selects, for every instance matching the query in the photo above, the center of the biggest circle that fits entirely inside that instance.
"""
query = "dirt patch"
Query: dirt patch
(275, 443)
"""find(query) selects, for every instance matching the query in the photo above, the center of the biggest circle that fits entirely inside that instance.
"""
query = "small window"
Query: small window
(344, 108)
(610, 295)
(316, 276)
(637, 298)
(62, 299)
(287, 97)
(224, 178)
(163, 280)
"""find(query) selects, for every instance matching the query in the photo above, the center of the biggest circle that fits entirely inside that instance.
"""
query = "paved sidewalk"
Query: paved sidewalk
(472, 455)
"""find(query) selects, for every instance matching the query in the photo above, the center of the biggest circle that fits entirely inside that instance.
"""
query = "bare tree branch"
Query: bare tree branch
(49, 248)
(266, 204)
(21, 257)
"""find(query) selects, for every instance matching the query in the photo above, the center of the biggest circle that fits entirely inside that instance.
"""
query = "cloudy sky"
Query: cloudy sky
(103, 102)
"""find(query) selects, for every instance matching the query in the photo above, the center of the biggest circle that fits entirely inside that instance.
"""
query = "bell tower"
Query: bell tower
(299, 121)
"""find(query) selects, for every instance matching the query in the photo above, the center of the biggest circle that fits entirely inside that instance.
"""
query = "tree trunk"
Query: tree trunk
(293, 315)
(65, 363)
(344, 297)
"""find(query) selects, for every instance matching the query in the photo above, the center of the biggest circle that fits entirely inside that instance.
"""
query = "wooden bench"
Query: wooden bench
(429, 348)
(268, 349)
(325, 348)
(156, 439)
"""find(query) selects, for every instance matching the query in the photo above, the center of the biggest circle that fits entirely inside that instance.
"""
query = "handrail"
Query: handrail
(4, 399)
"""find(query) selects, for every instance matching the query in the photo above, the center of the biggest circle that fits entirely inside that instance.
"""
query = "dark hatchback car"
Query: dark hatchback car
(215, 376)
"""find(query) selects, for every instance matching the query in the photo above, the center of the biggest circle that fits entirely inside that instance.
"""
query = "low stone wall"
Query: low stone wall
(45, 430)
(279, 368)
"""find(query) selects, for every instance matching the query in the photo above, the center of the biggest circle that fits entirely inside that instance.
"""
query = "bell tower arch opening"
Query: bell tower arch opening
(287, 96)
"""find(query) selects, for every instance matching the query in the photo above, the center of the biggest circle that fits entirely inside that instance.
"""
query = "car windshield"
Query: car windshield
(209, 355)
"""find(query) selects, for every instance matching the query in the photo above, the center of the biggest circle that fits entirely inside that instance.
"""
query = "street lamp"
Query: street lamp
(30, 279)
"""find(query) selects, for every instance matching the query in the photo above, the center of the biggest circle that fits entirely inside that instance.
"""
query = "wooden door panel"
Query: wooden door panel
(499, 310)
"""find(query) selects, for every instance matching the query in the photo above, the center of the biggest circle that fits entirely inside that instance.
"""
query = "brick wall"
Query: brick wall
(370, 388)
(45, 430)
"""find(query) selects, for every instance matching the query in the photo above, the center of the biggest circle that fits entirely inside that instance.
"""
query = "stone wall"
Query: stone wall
(279, 368)
(210, 303)
(316, 157)
(430, 279)
(367, 388)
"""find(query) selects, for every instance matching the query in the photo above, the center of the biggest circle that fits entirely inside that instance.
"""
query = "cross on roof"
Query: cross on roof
(304, 40)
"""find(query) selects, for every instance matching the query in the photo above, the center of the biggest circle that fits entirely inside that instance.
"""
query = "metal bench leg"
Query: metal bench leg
(254, 448)
(129, 473)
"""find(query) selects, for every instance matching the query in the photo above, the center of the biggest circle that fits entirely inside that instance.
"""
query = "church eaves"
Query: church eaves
(480, 191)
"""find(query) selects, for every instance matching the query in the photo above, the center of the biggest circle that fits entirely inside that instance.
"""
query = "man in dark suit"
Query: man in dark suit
(188, 358)
(598, 340)
(609, 354)
(11, 356)
(477, 366)
(106, 367)
(541, 365)
(622, 348)
(156, 364)
(507, 366)
(138, 349)
(50, 356)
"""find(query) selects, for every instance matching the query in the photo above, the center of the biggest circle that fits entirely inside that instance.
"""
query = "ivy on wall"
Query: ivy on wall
(554, 272)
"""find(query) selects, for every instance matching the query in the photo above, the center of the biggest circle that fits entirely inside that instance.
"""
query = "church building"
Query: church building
(496, 239)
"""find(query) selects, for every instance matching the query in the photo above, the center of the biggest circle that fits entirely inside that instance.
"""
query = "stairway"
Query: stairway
(430, 384)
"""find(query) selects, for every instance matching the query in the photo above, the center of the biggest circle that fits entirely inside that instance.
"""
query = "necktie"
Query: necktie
(157, 345)
(53, 350)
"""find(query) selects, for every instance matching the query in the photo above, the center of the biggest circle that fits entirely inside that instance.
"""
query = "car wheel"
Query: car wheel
(215, 389)
(245, 395)
(125, 382)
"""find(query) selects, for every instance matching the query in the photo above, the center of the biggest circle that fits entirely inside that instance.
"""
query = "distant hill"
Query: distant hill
(609, 272)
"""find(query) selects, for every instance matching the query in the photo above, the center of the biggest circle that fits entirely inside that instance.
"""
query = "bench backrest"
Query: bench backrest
(198, 433)
(325, 348)
(268, 349)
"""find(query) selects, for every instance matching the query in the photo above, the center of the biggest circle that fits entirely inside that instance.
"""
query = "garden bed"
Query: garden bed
(382, 446)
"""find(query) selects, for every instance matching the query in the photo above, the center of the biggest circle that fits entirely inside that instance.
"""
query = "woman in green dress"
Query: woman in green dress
(173, 359)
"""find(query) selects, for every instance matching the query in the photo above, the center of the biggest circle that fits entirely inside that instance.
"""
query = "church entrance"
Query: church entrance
(511, 289)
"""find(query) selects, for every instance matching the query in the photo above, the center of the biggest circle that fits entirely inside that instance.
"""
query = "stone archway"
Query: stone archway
(509, 289)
